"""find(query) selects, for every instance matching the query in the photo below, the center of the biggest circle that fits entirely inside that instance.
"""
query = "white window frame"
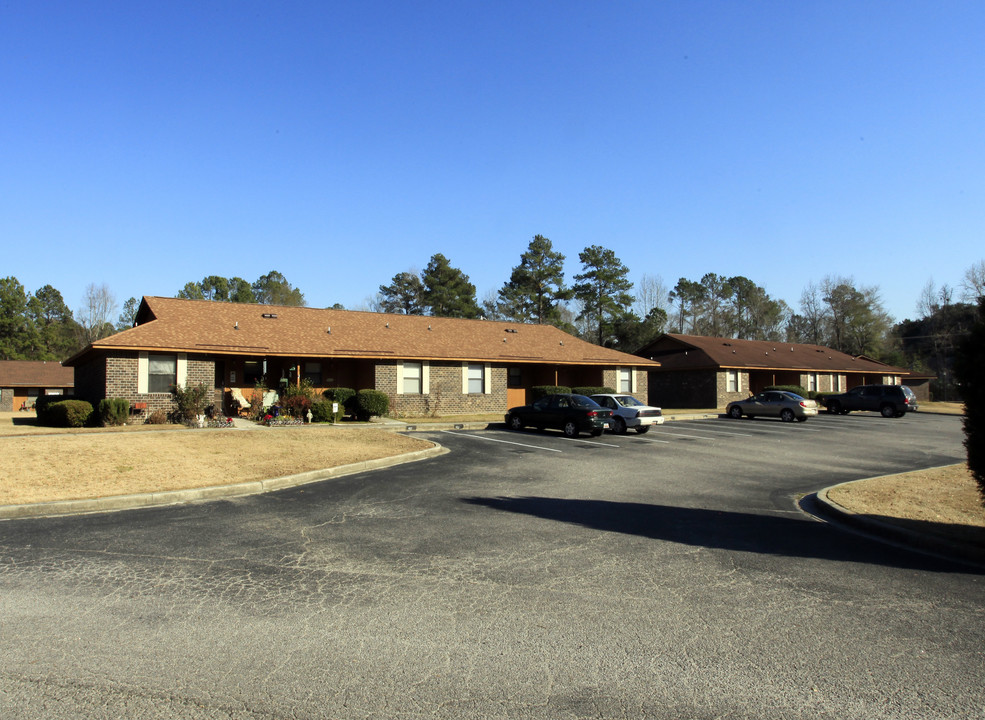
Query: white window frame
(486, 378)
(812, 382)
(733, 377)
(143, 370)
(627, 376)
(836, 383)
(425, 377)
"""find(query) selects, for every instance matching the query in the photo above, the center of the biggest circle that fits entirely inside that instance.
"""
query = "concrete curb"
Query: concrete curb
(823, 507)
(176, 497)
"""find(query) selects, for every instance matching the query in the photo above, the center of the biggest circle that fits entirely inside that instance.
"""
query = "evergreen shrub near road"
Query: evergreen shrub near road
(69, 413)
(969, 368)
(370, 403)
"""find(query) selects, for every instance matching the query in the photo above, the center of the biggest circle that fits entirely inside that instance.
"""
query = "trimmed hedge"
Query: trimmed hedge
(321, 411)
(969, 369)
(114, 411)
(44, 402)
(69, 413)
(370, 403)
(789, 388)
(592, 390)
(539, 391)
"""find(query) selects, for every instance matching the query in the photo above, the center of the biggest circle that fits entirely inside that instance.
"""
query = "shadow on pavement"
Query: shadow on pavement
(726, 530)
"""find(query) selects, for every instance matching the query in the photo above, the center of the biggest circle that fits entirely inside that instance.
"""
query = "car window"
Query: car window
(543, 402)
(562, 402)
(606, 402)
(629, 401)
(792, 396)
(583, 403)
(855, 391)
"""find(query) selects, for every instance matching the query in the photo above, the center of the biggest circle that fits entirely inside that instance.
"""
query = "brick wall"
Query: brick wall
(121, 382)
(723, 396)
(445, 396)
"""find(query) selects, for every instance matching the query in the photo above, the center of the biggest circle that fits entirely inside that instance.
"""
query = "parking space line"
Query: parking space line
(651, 440)
(506, 442)
(594, 442)
(760, 430)
(673, 434)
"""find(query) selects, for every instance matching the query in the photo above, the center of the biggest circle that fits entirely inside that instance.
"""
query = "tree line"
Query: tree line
(599, 304)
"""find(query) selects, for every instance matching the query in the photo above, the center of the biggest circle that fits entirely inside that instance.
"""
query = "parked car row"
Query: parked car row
(617, 412)
(574, 414)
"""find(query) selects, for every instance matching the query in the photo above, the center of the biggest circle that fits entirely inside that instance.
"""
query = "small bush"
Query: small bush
(70, 413)
(592, 390)
(158, 417)
(370, 403)
(114, 411)
(321, 411)
(539, 391)
(296, 400)
(191, 401)
(43, 402)
(789, 388)
(969, 369)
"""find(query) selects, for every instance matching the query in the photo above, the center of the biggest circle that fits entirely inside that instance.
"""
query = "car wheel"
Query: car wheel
(570, 429)
(888, 411)
(516, 423)
(642, 429)
(787, 415)
(735, 412)
(618, 426)
(835, 408)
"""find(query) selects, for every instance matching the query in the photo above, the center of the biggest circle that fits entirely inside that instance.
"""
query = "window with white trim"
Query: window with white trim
(733, 381)
(477, 378)
(836, 383)
(812, 382)
(624, 380)
(412, 377)
(162, 373)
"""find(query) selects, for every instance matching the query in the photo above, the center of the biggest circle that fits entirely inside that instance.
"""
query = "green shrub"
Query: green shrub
(789, 388)
(43, 402)
(539, 391)
(321, 411)
(370, 403)
(969, 370)
(70, 413)
(592, 390)
(341, 395)
(114, 411)
(191, 401)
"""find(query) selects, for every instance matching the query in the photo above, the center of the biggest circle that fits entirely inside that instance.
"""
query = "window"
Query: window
(162, 373)
(410, 382)
(312, 372)
(812, 382)
(836, 383)
(514, 377)
(624, 380)
(477, 378)
(733, 382)
(252, 372)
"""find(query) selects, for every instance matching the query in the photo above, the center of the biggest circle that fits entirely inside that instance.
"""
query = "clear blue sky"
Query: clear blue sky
(145, 145)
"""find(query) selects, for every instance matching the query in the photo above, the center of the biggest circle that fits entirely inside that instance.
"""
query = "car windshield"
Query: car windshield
(628, 401)
(793, 396)
(583, 403)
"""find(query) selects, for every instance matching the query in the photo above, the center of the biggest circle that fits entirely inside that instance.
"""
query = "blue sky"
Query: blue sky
(145, 145)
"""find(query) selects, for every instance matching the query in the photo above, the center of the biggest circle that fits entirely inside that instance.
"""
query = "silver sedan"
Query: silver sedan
(785, 405)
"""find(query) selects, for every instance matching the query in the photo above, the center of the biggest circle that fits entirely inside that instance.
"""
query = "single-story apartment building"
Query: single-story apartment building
(22, 381)
(709, 372)
(426, 365)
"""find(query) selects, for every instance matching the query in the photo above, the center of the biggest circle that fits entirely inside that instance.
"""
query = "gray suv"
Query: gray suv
(890, 400)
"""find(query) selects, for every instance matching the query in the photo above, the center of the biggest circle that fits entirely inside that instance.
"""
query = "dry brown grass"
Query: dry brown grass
(68, 466)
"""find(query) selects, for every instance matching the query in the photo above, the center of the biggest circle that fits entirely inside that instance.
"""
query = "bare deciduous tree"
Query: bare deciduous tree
(95, 316)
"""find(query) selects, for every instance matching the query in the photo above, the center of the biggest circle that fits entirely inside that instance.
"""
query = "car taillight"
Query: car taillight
(592, 413)
(803, 404)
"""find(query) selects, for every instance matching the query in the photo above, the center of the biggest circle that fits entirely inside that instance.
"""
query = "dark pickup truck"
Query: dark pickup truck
(890, 400)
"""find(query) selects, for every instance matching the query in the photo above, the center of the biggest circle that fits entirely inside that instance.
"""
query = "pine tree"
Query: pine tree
(447, 290)
(603, 290)
(536, 288)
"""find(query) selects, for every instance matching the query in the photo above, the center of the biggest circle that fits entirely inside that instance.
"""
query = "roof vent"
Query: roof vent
(236, 326)
(329, 331)
(270, 316)
(429, 327)
(388, 324)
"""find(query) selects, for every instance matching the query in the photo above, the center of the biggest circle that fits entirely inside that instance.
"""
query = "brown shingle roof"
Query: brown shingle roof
(676, 352)
(175, 325)
(35, 374)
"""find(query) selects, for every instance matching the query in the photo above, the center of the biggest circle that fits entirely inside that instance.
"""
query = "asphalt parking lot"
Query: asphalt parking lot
(521, 575)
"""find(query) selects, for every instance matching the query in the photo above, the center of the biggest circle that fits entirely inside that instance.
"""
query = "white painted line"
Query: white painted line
(505, 442)
(694, 437)
(764, 430)
(651, 440)
(594, 442)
